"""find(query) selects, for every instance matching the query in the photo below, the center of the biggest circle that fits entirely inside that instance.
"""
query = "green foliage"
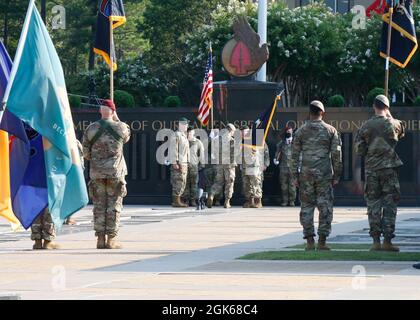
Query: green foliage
(336, 101)
(172, 102)
(372, 95)
(123, 99)
(416, 102)
(75, 101)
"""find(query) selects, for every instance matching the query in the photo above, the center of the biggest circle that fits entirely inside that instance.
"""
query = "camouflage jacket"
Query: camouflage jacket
(106, 153)
(284, 153)
(224, 145)
(265, 156)
(179, 148)
(320, 147)
(376, 141)
(196, 153)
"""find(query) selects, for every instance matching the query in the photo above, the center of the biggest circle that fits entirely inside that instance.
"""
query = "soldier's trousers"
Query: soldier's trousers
(225, 177)
(191, 187)
(107, 198)
(288, 189)
(179, 179)
(43, 227)
(316, 193)
(382, 194)
(251, 185)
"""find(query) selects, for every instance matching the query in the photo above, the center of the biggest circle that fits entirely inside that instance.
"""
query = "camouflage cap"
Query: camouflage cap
(382, 99)
(183, 120)
(317, 104)
(190, 128)
(231, 127)
(244, 127)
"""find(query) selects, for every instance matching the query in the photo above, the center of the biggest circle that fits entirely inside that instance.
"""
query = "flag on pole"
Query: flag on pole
(37, 95)
(403, 35)
(261, 126)
(5, 192)
(206, 100)
(27, 180)
(109, 11)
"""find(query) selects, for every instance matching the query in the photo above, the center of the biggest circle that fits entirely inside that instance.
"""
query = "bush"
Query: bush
(172, 102)
(416, 102)
(372, 95)
(336, 101)
(123, 99)
(75, 101)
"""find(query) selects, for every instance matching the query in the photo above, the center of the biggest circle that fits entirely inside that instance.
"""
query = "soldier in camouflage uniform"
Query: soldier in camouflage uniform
(283, 157)
(264, 164)
(376, 141)
(250, 171)
(320, 146)
(103, 143)
(179, 152)
(195, 164)
(225, 175)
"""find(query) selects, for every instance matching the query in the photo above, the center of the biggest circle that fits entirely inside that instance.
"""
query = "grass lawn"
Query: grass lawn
(333, 255)
(348, 246)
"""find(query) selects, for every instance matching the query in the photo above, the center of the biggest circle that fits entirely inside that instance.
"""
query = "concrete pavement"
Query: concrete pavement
(182, 254)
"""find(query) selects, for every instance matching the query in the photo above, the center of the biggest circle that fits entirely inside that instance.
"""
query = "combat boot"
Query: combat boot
(310, 244)
(388, 246)
(112, 243)
(258, 202)
(291, 204)
(227, 203)
(50, 245)
(37, 245)
(253, 203)
(177, 203)
(376, 246)
(322, 243)
(100, 244)
(247, 203)
(210, 201)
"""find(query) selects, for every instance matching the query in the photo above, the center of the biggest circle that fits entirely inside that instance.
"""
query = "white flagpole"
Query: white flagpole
(19, 51)
(262, 31)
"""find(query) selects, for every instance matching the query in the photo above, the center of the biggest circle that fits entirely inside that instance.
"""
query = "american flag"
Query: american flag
(206, 101)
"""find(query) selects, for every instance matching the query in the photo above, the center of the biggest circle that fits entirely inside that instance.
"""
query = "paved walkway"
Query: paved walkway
(182, 254)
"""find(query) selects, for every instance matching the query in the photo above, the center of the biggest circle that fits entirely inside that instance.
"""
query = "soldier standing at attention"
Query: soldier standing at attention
(103, 143)
(376, 141)
(320, 146)
(195, 164)
(250, 170)
(264, 164)
(179, 151)
(283, 157)
(225, 174)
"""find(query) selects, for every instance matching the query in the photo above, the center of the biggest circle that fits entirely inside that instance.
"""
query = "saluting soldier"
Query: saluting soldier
(376, 141)
(195, 164)
(103, 143)
(179, 152)
(283, 158)
(225, 174)
(320, 147)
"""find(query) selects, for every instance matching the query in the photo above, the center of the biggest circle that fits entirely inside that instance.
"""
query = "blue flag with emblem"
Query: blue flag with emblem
(37, 95)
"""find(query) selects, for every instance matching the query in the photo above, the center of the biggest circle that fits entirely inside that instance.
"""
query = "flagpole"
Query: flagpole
(388, 48)
(212, 104)
(111, 76)
(19, 50)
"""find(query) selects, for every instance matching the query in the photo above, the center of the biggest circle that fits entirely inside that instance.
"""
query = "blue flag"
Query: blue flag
(37, 95)
(28, 183)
